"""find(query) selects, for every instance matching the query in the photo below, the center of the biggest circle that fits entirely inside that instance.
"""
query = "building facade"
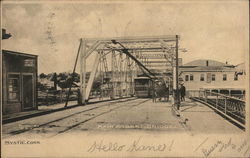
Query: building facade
(210, 74)
(19, 78)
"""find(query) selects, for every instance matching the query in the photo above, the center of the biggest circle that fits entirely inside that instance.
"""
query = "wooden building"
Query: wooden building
(210, 73)
(19, 78)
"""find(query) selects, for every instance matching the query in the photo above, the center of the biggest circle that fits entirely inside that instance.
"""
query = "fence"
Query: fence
(54, 97)
(231, 107)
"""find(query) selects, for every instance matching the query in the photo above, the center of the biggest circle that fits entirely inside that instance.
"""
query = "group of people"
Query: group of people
(161, 90)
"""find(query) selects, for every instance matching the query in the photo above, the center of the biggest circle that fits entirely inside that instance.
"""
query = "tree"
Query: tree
(64, 80)
(76, 77)
(62, 76)
(42, 76)
(41, 86)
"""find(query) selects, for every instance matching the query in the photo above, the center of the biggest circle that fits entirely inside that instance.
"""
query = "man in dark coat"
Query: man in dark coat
(154, 93)
(183, 92)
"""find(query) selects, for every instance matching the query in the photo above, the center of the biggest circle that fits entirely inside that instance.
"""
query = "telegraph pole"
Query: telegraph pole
(73, 73)
(177, 96)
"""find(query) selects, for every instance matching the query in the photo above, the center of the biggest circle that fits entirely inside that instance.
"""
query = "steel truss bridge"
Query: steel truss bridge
(119, 60)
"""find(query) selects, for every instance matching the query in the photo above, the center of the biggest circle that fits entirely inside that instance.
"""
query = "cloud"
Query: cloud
(208, 30)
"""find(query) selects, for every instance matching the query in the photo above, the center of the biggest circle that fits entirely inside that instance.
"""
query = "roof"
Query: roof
(207, 68)
(207, 65)
(18, 53)
(241, 66)
(203, 62)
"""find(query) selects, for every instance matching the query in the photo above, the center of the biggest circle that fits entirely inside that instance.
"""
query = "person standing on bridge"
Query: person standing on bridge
(182, 92)
(154, 94)
(166, 92)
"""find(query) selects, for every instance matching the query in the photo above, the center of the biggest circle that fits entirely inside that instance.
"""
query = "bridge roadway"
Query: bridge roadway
(128, 114)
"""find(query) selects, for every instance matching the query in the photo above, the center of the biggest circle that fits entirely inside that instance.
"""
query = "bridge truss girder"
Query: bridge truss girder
(142, 49)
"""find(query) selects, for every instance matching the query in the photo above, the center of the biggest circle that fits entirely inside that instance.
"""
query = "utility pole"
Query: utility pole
(177, 96)
(73, 74)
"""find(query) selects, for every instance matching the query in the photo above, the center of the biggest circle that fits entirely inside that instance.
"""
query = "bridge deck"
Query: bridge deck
(128, 114)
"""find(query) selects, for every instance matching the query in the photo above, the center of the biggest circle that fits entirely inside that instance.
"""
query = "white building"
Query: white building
(214, 75)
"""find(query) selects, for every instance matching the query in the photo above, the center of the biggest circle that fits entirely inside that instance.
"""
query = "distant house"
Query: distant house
(47, 82)
(19, 78)
(211, 74)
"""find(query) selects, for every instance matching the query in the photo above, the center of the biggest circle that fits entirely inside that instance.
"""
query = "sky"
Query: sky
(216, 30)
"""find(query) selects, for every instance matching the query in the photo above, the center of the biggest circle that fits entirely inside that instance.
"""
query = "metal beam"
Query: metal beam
(92, 48)
(92, 76)
(159, 65)
(136, 38)
(83, 71)
(145, 49)
(156, 62)
(125, 51)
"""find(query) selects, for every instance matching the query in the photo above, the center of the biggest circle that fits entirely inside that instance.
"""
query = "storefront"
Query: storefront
(19, 78)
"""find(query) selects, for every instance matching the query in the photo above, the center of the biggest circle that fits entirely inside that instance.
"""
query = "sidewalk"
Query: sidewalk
(202, 119)
(46, 109)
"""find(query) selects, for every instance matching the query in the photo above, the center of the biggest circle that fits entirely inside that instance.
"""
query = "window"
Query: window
(13, 88)
(209, 77)
(213, 77)
(236, 77)
(186, 78)
(191, 77)
(202, 77)
(224, 77)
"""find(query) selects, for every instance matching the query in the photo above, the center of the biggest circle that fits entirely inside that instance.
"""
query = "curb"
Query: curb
(40, 113)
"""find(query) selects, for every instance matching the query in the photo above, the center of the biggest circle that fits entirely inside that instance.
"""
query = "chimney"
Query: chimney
(207, 63)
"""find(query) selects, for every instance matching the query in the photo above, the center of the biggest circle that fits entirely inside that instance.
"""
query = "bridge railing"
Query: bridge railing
(231, 107)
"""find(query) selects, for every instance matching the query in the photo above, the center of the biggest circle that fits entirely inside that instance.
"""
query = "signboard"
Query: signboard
(153, 56)
(29, 63)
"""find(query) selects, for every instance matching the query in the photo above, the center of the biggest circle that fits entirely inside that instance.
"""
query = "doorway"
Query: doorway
(28, 92)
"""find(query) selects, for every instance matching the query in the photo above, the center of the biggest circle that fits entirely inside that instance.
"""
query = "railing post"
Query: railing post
(225, 105)
(205, 95)
(47, 96)
(217, 96)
